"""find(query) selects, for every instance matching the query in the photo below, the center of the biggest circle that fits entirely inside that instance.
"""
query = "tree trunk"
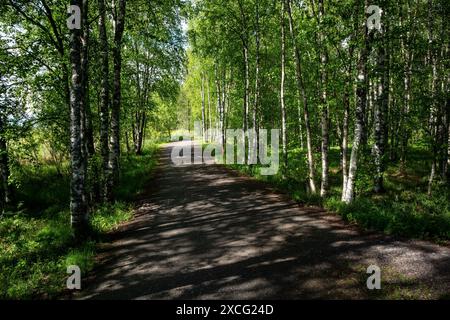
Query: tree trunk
(104, 97)
(448, 141)
(209, 109)
(302, 95)
(114, 154)
(89, 149)
(282, 102)
(431, 178)
(256, 102)
(300, 127)
(434, 112)
(226, 102)
(140, 132)
(361, 100)
(246, 89)
(84, 106)
(219, 109)
(406, 108)
(245, 48)
(349, 88)
(447, 103)
(445, 111)
(404, 127)
(324, 103)
(79, 219)
(345, 121)
(6, 190)
(380, 111)
(224, 105)
(202, 93)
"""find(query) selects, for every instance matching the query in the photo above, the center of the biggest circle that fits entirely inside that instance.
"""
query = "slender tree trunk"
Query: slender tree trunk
(140, 104)
(113, 164)
(302, 94)
(404, 127)
(246, 89)
(369, 111)
(84, 106)
(448, 141)
(104, 97)
(345, 121)
(244, 39)
(349, 88)
(202, 93)
(445, 111)
(378, 147)
(209, 108)
(434, 112)
(431, 178)
(380, 111)
(282, 104)
(219, 108)
(79, 219)
(256, 102)
(134, 126)
(89, 141)
(140, 132)
(406, 110)
(226, 101)
(224, 105)
(6, 189)
(324, 104)
(361, 100)
(447, 103)
(300, 126)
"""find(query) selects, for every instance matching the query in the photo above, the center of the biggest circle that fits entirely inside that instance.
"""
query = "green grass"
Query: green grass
(36, 242)
(133, 169)
(105, 218)
(53, 187)
(410, 215)
(34, 255)
(404, 209)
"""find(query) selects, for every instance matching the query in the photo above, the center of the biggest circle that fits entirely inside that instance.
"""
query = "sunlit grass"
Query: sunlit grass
(107, 217)
(404, 209)
(36, 242)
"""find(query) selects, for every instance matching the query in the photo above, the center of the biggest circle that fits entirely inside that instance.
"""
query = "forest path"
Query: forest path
(204, 232)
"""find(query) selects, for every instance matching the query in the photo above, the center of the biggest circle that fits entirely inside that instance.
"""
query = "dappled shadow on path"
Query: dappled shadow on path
(202, 232)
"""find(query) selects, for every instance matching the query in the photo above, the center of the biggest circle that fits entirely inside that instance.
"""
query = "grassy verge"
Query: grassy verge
(36, 243)
(404, 209)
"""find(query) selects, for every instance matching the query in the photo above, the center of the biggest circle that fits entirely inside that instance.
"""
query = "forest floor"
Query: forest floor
(207, 232)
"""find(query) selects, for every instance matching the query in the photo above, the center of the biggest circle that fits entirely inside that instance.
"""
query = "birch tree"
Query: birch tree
(113, 162)
(302, 95)
(79, 218)
(361, 100)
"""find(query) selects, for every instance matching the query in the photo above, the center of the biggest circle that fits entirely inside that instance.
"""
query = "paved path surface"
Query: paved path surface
(204, 232)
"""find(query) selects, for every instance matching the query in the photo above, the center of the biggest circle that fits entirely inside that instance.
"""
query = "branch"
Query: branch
(49, 14)
(34, 22)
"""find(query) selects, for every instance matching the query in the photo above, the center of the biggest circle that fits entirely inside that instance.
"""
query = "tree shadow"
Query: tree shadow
(202, 232)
